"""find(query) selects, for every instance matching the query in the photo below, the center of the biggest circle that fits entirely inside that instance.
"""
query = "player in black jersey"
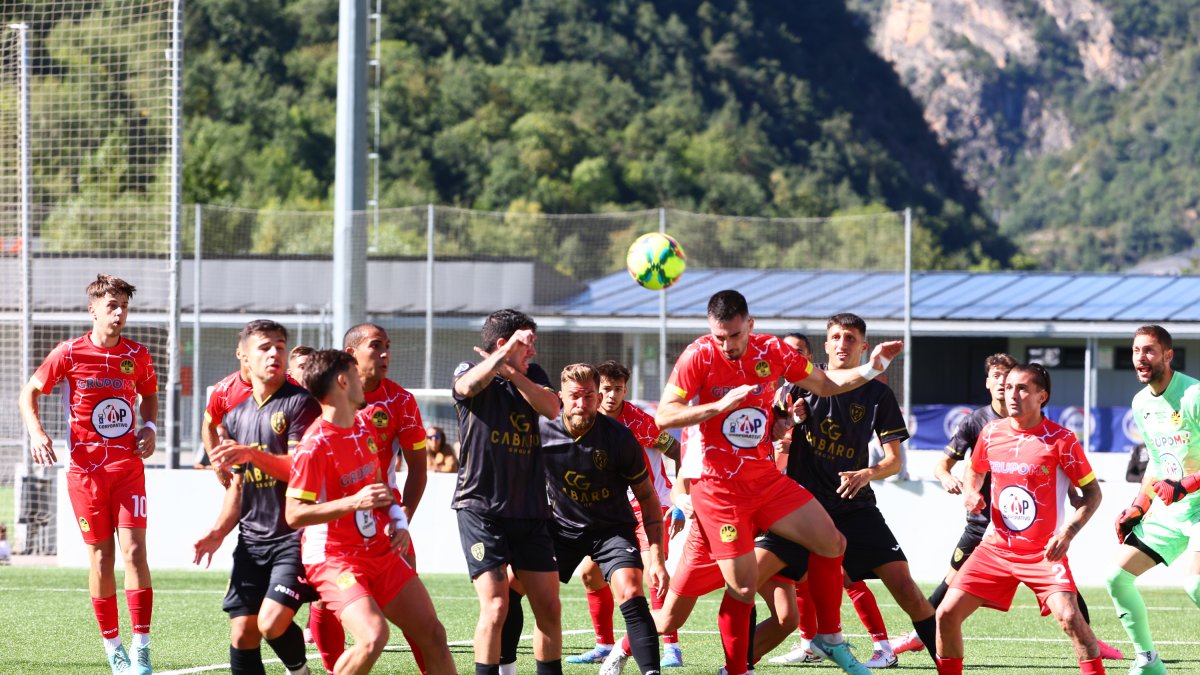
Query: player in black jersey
(266, 585)
(830, 457)
(500, 496)
(591, 460)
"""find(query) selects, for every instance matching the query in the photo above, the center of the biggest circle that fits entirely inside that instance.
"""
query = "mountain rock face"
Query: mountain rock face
(977, 66)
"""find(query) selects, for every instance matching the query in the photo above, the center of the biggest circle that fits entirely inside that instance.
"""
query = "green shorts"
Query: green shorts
(1168, 535)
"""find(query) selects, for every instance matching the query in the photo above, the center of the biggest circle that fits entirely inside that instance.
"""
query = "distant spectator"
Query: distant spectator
(296, 359)
(441, 457)
(5, 549)
(1138, 458)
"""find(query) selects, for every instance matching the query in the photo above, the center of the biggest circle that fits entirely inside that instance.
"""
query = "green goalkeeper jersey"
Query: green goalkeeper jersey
(1170, 426)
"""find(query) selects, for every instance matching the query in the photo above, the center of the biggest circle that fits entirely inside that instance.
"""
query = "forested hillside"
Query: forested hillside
(555, 106)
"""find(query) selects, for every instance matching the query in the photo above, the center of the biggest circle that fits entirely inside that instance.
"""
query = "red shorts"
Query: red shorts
(697, 573)
(643, 542)
(342, 580)
(111, 496)
(993, 573)
(733, 511)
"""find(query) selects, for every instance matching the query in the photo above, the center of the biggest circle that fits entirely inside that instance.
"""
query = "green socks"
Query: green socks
(1192, 586)
(1131, 609)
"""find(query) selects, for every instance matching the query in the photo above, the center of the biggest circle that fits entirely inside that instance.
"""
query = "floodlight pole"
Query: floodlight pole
(24, 167)
(349, 186)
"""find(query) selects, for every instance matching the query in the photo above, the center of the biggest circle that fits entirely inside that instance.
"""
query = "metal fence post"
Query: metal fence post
(429, 297)
(662, 316)
(197, 396)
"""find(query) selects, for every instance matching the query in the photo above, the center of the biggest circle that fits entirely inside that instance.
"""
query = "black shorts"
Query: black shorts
(971, 536)
(793, 555)
(611, 550)
(489, 542)
(869, 542)
(262, 571)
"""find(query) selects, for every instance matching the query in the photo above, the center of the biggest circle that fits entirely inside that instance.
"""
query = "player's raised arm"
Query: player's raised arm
(674, 413)
(833, 382)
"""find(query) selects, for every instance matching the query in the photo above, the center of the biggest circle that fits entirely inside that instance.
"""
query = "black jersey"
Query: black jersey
(275, 426)
(500, 470)
(835, 436)
(587, 477)
(962, 443)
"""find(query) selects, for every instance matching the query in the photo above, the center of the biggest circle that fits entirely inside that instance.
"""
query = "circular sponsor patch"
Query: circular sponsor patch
(728, 533)
(112, 417)
(745, 427)
(1017, 508)
(1171, 466)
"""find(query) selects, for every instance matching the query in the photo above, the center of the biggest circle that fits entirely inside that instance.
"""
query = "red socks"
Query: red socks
(868, 610)
(141, 605)
(1092, 666)
(825, 585)
(328, 635)
(733, 621)
(106, 616)
(600, 606)
(656, 602)
(948, 666)
(808, 611)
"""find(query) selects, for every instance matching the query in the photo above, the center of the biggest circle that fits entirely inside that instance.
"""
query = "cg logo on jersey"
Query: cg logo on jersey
(278, 422)
(380, 419)
(127, 366)
(729, 533)
(519, 422)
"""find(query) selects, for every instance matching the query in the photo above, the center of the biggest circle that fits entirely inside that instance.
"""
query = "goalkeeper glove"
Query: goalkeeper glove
(1171, 491)
(1132, 515)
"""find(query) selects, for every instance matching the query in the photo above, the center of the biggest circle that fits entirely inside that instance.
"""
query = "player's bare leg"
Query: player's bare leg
(413, 613)
(274, 619)
(244, 633)
(785, 616)
(542, 590)
(367, 623)
(133, 550)
(491, 587)
(1066, 610)
(102, 581)
(951, 614)
(899, 582)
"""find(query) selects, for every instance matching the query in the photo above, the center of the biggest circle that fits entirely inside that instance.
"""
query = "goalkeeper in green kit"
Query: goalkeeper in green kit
(1163, 522)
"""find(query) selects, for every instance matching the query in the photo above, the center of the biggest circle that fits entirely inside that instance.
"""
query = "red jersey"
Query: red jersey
(226, 395)
(394, 414)
(737, 442)
(103, 384)
(652, 441)
(331, 463)
(1030, 471)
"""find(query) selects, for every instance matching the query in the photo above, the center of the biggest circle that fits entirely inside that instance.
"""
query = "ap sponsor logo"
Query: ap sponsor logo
(1017, 508)
(112, 417)
(745, 427)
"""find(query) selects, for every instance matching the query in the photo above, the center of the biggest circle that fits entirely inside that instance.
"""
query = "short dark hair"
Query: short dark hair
(107, 283)
(322, 368)
(1160, 335)
(1039, 373)
(612, 370)
(801, 337)
(847, 320)
(501, 324)
(301, 350)
(358, 333)
(999, 360)
(262, 327)
(727, 305)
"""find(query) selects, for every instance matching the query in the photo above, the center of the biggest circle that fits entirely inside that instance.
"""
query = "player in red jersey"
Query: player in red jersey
(1031, 460)
(656, 444)
(733, 373)
(393, 412)
(354, 525)
(104, 375)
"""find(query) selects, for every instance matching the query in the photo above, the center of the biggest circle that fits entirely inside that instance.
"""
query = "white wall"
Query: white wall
(183, 505)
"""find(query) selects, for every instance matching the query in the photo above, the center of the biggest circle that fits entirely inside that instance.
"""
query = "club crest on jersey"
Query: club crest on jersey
(83, 525)
(729, 533)
(278, 422)
(380, 419)
(857, 412)
(127, 366)
(477, 551)
(663, 440)
(371, 445)
(346, 580)
(762, 368)
(1018, 509)
(958, 555)
(1176, 419)
(600, 459)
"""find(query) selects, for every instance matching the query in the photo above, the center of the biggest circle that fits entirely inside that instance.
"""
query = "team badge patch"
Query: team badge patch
(477, 551)
(346, 580)
(83, 525)
(278, 422)
(728, 533)
(857, 412)
(958, 555)
(600, 459)
(762, 368)
(371, 445)
(127, 366)
(1176, 419)
(380, 419)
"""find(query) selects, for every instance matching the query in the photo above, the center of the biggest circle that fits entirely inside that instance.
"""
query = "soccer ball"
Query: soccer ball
(655, 261)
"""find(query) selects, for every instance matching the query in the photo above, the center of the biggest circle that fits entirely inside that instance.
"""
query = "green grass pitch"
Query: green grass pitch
(48, 628)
